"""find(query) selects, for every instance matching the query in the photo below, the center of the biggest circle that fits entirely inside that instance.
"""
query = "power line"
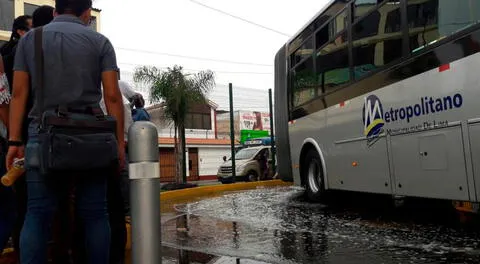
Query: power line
(224, 72)
(194, 58)
(239, 18)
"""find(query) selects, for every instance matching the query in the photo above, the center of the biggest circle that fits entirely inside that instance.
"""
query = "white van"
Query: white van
(248, 165)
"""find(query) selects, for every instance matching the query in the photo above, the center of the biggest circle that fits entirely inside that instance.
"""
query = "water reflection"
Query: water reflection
(278, 226)
(183, 257)
(305, 246)
(171, 256)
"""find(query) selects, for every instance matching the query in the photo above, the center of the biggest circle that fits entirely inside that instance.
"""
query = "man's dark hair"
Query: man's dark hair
(20, 23)
(74, 7)
(42, 16)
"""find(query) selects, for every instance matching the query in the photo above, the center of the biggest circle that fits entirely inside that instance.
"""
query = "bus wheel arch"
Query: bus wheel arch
(312, 171)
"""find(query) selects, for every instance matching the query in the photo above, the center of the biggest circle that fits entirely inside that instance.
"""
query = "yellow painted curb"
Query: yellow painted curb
(214, 189)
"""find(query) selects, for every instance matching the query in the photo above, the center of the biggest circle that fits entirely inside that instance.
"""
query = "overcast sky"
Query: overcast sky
(144, 31)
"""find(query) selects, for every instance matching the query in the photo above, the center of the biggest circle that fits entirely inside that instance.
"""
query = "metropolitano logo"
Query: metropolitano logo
(372, 118)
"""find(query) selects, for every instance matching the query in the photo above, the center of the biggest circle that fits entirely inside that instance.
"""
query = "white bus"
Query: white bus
(383, 96)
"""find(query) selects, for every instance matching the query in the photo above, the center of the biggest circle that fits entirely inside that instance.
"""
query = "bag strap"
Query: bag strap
(40, 74)
(39, 64)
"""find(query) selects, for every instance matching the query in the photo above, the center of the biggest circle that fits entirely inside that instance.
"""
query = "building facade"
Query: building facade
(204, 150)
(10, 9)
(200, 122)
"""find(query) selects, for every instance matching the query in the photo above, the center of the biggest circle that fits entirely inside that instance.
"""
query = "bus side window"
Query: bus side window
(422, 23)
(362, 7)
(303, 52)
(303, 82)
(332, 63)
(377, 39)
(431, 20)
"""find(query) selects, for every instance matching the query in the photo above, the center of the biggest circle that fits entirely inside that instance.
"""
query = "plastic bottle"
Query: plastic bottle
(14, 173)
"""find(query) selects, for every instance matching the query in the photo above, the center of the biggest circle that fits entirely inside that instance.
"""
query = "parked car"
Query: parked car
(248, 165)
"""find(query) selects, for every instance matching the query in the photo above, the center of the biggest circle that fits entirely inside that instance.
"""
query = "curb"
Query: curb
(214, 189)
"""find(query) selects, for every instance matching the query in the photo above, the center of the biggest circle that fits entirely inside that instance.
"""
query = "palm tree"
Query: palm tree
(178, 92)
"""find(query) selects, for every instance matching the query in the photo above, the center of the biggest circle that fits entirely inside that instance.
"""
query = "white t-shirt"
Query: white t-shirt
(126, 89)
(127, 92)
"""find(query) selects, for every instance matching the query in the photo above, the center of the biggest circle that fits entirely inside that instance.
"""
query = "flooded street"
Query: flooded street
(279, 226)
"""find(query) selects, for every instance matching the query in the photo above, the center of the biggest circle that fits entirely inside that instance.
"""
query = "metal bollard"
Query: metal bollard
(144, 174)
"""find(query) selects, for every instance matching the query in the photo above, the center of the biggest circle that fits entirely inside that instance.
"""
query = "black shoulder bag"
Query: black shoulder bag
(72, 140)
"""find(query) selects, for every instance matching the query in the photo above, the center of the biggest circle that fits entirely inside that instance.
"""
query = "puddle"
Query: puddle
(278, 226)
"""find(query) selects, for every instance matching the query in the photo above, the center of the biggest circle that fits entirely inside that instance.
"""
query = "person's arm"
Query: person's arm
(20, 91)
(18, 104)
(112, 95)
(17, 112)
(114, 103)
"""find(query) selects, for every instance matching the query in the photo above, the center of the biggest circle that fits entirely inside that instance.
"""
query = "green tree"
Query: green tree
(177, 92)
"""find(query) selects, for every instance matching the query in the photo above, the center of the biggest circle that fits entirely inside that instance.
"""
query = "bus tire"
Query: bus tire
(313, 175)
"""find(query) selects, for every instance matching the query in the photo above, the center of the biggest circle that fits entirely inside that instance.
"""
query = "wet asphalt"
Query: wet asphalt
(279, 226)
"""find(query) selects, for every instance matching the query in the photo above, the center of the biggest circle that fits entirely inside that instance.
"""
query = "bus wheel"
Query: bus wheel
(252, 176)
(313, 176)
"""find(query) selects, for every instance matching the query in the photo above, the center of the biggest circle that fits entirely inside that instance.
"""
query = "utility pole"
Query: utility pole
(272, 135)
(232, 132)
(184, 153)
